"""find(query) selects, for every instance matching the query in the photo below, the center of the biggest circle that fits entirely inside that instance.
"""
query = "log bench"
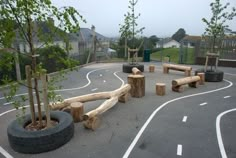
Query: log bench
(177, 84)
(186, 69)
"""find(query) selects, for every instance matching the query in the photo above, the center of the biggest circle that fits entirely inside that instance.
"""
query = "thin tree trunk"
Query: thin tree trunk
(34, 63)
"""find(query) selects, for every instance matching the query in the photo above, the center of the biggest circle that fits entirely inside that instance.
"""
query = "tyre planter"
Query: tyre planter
(212, 76)
(127, 68)
(31, 142)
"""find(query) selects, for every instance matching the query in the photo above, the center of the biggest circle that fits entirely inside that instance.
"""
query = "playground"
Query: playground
(196, 122)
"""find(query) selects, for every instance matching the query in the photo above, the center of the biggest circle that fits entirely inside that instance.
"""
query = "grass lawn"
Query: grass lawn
(174, 55)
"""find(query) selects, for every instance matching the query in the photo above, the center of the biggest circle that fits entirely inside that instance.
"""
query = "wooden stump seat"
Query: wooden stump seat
(202, 78)
(186, 69)
(151, 68)
(160, 89)
(177, 84)
(137, 83)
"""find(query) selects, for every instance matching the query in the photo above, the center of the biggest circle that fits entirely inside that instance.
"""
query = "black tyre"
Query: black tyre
(212, 76)
(127, 68)
(30, 142)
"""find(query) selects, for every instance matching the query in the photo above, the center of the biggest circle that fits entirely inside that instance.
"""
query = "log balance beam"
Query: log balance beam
(177, 84)
(186, 69)
(91, 118)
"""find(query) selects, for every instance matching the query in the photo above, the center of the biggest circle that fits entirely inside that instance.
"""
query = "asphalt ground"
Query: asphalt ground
(175, 125)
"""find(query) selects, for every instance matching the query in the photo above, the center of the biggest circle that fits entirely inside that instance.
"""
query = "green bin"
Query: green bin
(146, 55)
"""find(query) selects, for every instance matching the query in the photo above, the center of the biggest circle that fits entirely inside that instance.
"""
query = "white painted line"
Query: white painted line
(5, 153)
(70, 89)
(100, 75)
(185, 118)
(104, 81)
(218, 133)
(8, 103)
(94, 89)
(122, 81)
(135, 140)
(202, 104)
(179, 150)
(225, 97)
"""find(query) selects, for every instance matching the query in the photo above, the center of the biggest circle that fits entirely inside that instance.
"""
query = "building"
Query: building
(167, 43)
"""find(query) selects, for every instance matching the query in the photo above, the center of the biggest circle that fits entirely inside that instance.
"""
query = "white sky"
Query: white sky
(159, 17)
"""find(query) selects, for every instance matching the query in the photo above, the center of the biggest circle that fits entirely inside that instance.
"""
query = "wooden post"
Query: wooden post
(43, 77)
(92, 123)
(165, 69)
(152, 68)
(30, 93)
(77, 111)
(137, 83)
(124, 98)
(187, 72)
(202, 78)
(160, 89)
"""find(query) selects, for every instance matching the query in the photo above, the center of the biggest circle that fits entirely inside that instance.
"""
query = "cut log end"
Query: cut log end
(92, 123)
(152, 68)
(136, 71)
(77, 111)
(160, 89)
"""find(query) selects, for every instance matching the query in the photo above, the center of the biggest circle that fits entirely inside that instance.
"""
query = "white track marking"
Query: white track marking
(104, 81)
(179, 150)
(8, 103)
(225, 97)
(5, 153)
(230, 74)
(185, 119)
(218, 133)
(69, 89)
(94, 89)
(100, 75)
(202, 104)
(122, 81)
(135, 140)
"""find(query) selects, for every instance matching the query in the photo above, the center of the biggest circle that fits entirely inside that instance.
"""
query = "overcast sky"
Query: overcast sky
(159, 17)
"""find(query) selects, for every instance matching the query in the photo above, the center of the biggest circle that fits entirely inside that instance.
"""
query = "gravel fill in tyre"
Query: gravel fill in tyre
(212, 76)
(127, 68)
(31, 142)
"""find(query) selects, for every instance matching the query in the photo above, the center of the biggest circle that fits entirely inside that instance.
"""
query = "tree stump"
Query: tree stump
(165, 70)
(152, 68)
(137, 83)
(160, 89)
(202, 78)
(77, 111)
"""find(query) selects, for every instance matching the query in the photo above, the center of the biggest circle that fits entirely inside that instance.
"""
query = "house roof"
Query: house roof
(87, 35)
(192, 38)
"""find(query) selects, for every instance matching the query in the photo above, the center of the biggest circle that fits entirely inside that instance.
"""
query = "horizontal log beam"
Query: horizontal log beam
(186, 80)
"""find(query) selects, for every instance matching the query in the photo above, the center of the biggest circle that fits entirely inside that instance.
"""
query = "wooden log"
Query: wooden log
(177, 88)
(124, 98)
(202, 78)
(102, 108)
(185, 80)
(92, 123)
(137, 83)
(77, 111)
(151, 68)
(136, 71)
(91, 97)
(160, 89)
(193, 84)
(187, 72)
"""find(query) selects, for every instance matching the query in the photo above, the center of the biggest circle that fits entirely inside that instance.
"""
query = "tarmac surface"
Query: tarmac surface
(197, 123)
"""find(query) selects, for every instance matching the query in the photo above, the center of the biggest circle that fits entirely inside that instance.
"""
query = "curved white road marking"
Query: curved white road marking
(225, 97)
(5, 153)
(69, 89)
(202, 104)
(122, 81)
(130, 148)
(218, 132)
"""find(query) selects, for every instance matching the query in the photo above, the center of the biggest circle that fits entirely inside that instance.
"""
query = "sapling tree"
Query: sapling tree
(21, 21)
(129, 28)
(217, 25)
